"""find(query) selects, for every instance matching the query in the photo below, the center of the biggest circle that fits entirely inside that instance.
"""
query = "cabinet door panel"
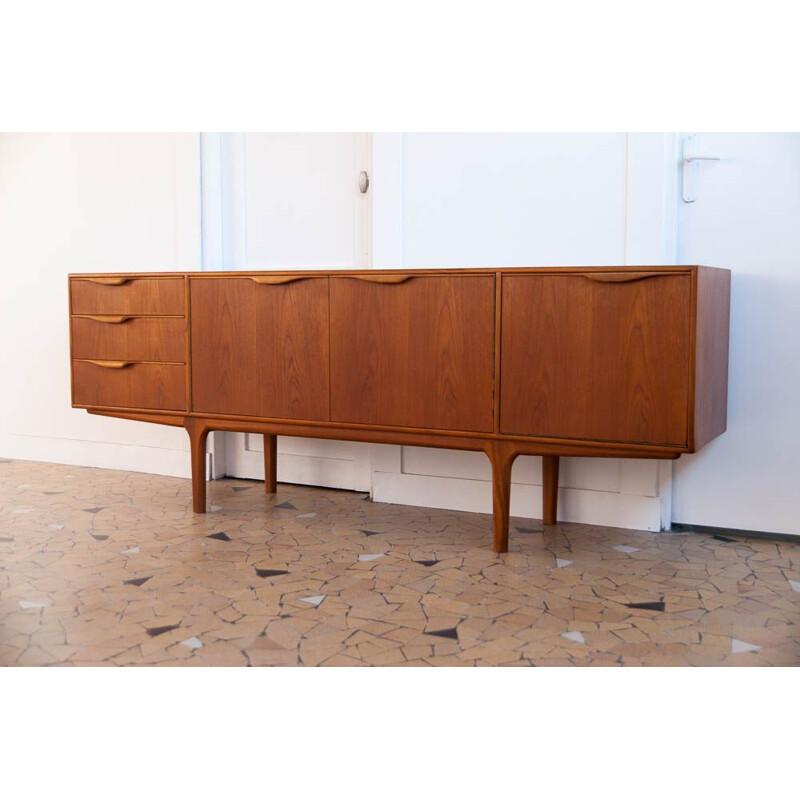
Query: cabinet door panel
(223, 356)
(417, 354)
(260, 350)
(293, 355)
(593, 360)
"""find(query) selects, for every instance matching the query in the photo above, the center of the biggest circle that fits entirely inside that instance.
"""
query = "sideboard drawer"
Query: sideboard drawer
(129, 338)
(129, 385)
(128, 296)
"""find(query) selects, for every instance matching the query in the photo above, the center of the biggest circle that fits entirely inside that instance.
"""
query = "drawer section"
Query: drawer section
(129, 385)
(128, 296)
(129, 338)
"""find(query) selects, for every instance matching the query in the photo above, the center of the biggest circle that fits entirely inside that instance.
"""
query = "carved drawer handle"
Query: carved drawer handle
(275, 280)
(108, 281)
(109, 364)
(381, 278)
(622, 277)
(112, 320)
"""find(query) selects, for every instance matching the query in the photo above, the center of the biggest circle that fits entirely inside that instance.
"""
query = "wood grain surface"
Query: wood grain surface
(158, 386)
(260, 349)
(416, 353)
(135, 296)
(132, 339)
(711, 356)
(596, 360)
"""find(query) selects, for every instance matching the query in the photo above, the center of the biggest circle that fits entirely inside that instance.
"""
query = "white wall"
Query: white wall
(487, 200)
(747, 218)
(83, 203)
(478, 200)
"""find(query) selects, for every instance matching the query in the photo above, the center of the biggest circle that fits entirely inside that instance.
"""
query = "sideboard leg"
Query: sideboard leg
(550, 489)
(502, 456)
(198, 434)
(270, 463)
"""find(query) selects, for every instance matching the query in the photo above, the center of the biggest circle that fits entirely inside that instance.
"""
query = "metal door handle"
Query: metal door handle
(690, 165)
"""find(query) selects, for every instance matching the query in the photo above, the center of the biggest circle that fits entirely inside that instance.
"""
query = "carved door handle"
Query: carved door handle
(380, 278)
(109, 364)
(275, 280)
(112, 320)
(108, 281)
(622, 277)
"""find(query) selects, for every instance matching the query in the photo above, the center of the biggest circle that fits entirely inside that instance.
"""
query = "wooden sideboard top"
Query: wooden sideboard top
(679, 268)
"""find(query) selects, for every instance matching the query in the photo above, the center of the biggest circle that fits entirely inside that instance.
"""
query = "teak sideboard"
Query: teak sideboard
(627, 362)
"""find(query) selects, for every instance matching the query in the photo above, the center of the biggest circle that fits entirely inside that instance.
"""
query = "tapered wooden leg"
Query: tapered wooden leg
(198, 433)
(502, 456)
(550, 489)
(270, 463)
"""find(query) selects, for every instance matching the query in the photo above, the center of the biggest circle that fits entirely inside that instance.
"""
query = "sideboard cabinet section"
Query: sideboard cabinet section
(414, 352)
(128, 341)
(623, 362)
(597, 356)
(260, 347)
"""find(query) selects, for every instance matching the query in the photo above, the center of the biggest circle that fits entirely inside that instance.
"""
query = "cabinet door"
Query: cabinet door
(415, 352)
(260, 349)
(586, 359)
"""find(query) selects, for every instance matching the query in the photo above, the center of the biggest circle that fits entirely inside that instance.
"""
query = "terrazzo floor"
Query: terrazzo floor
(100, 567)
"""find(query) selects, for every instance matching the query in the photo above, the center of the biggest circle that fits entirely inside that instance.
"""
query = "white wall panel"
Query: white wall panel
(514, 199)
(83, 203)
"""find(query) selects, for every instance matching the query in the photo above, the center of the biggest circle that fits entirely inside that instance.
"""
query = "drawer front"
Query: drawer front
(596, 356)
(128, 296)
(158, 386)
(130, 339)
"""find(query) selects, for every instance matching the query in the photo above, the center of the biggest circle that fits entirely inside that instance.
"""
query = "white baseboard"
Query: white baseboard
(574, 505)
(106, 455)
(306, 470)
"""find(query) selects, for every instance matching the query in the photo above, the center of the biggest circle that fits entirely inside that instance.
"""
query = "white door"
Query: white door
(746, 217)
(291, 201)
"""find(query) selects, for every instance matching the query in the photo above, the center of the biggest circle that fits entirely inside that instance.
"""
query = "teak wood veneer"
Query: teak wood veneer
(627, 362)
